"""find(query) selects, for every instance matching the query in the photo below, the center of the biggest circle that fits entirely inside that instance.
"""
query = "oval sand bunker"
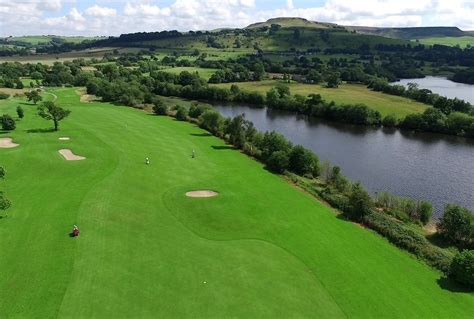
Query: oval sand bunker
(202, 193)
(7, 142)
(70, 156)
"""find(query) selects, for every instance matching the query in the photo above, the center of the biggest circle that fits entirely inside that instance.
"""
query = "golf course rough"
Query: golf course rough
(265, 249)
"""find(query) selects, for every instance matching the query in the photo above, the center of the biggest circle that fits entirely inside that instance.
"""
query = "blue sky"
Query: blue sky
(113, 17)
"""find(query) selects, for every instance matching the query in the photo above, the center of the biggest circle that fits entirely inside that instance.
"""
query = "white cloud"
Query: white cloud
(97, 11)
(112, 17)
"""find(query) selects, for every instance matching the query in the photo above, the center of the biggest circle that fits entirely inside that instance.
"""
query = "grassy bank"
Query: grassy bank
(203, 72)
(260, 249)
(344, 94)
(451, 41)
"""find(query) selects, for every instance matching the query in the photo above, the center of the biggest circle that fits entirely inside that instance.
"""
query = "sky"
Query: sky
(114, 17)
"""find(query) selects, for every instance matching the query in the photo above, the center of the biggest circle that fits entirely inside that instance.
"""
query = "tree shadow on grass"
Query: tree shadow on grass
(26, 103)
(223, 148)
(40, 130)
(451, 285)
(201, 134)
(4, 132)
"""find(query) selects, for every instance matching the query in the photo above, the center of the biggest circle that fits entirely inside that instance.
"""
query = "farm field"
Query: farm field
(34, 40)
(203, 72)
(451, 41)
(50, 59)
(261, 248)
(344, 94)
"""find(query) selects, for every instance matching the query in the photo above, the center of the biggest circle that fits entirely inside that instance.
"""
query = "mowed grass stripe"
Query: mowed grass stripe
(262, 247)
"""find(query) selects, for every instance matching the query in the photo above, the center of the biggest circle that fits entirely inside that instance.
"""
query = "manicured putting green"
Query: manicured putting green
(260, 249)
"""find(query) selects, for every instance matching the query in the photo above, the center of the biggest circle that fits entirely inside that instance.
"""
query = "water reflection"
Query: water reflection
(426, 166)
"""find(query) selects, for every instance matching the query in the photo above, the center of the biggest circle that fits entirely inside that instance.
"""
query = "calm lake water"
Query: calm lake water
(443, 87)
(431, 167)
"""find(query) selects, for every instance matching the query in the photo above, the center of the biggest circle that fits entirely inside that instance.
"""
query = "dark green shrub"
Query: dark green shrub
(278, 161)
(8, 123)
(20, 112)
(455, 225)
(462, 268)
(303, 161)
(360, 202)
(181, 114)
(160, 108)
(195, 110)
(389, 121)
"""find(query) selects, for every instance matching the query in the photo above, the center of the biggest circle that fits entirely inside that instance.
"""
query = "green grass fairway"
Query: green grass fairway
(345, 94)
(260, 249)
(451, 41)
(203, 72)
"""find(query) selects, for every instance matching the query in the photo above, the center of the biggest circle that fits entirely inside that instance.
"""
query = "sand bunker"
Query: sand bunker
(202, 193)
(70, 156)
(64, 138)
(7, 142)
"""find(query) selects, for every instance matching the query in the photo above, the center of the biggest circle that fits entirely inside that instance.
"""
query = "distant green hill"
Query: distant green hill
(411, 33)
(294, 22)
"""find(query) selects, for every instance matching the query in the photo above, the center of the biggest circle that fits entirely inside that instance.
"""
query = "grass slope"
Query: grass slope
(292, 22)
(260, 249)
(451, 41)
(203, 72)
(345, 94)
(46, 39)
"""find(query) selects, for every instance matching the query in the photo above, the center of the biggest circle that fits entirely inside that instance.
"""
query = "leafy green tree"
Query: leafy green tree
(8, 123)
(181, 114)
(389, 121)
(20, 112)
(159, 107)
(278, 161)
(274, 142)
(314, 77)
(34, 96)
(234, 88)
(258, 71)
(19, 85)
(462, 268)
(333, 79)
(360, 202)
(195, 110)
(303, 161)
(212, 121)
(455, 225)
(36, 75)
(3, 172)
(50, 111)
(283, 90)
(240, 131)
(425, 211)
